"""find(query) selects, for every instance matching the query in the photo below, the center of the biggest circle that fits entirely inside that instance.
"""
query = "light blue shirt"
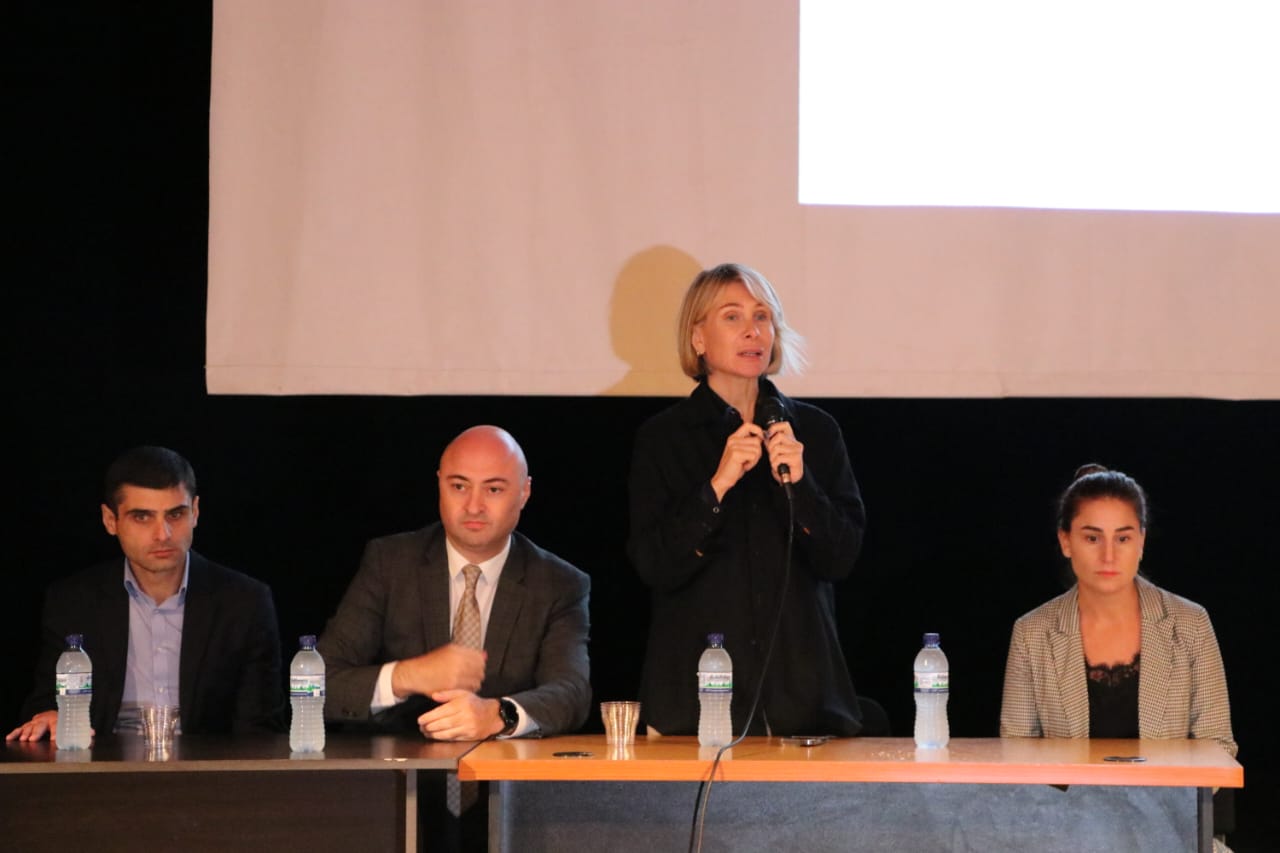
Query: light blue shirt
(155, 647)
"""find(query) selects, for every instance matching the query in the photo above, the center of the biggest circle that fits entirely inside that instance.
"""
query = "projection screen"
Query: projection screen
(508, 197)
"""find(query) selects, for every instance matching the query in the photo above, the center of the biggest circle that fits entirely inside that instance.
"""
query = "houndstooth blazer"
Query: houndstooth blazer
(1182, 689)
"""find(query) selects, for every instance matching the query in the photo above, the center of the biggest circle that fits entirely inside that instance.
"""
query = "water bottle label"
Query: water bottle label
(306, 685)
(933, 682)
(73, 683)
(715, 682)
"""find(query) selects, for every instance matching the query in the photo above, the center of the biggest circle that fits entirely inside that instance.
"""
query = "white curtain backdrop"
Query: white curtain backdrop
(508, 197)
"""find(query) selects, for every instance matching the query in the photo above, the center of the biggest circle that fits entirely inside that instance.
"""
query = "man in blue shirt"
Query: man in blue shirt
(164, 626)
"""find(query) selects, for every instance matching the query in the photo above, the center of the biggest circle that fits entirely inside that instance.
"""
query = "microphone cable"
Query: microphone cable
(704, 788)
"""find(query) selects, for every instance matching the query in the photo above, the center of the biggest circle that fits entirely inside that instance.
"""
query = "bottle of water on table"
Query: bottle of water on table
(306, 696)
(73, 684)
(932, 685)
(715, 694)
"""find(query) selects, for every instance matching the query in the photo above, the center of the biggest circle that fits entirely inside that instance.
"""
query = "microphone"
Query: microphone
(769, 411)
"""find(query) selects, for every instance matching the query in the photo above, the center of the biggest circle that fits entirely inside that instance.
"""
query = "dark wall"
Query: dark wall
(106, 348)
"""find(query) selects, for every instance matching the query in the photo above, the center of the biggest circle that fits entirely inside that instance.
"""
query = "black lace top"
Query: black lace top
(1113, 699)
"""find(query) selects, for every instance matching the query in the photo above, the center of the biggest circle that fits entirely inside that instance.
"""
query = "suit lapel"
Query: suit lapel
(508, 599)
(433, 593)
(199, 615)
(1068, 662)
(112, 652)
(1157, 658)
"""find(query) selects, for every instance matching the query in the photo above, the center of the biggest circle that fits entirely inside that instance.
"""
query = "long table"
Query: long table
(863, 793)
(250, 793)
(218, 794)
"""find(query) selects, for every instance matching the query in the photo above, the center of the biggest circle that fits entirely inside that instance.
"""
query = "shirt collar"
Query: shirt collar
(490, 569)
(710, 408)
(135, 591)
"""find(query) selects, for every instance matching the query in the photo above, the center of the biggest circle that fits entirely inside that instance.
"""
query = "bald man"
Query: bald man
(405, 648)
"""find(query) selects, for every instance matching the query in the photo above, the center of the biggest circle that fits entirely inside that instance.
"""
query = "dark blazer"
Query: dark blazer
(397, 607)
(719, 567)
(229, 677)
(1182, 688)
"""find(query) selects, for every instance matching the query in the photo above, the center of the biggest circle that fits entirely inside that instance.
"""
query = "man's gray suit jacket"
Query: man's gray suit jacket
(397, 607)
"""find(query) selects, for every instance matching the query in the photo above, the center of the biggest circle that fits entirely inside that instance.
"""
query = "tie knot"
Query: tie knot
(470, 575)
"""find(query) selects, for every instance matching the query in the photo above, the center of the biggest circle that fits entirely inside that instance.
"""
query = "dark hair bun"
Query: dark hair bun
(1098, 481)
(1089, 468)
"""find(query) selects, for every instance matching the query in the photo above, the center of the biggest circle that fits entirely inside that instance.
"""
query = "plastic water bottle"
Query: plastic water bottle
(306, 696)
(933, 685)
(73, 684)
(715, 694)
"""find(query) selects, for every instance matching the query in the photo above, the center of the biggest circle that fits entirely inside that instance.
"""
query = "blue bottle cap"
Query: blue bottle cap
(715, 639)
(307, 641)
(931, 640)
(75, 641)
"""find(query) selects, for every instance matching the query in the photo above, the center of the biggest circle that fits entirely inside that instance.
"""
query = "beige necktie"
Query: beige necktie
(466, 624)
(461, 796)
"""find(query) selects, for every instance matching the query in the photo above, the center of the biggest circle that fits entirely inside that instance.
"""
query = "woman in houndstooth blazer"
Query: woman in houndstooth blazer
(1073, 661)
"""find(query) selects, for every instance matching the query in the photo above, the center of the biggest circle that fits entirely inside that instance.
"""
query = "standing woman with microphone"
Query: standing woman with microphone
(709, 523)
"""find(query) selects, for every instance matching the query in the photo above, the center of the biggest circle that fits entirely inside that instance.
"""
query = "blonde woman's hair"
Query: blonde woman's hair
(787, 355)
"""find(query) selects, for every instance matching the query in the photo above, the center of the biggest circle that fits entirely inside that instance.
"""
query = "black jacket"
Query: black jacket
(719, 568)
(229, 675)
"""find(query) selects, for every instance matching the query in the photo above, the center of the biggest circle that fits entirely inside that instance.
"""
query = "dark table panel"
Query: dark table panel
(243, 793)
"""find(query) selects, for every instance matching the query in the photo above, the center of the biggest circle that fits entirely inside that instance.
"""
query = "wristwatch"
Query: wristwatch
(510, 716)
